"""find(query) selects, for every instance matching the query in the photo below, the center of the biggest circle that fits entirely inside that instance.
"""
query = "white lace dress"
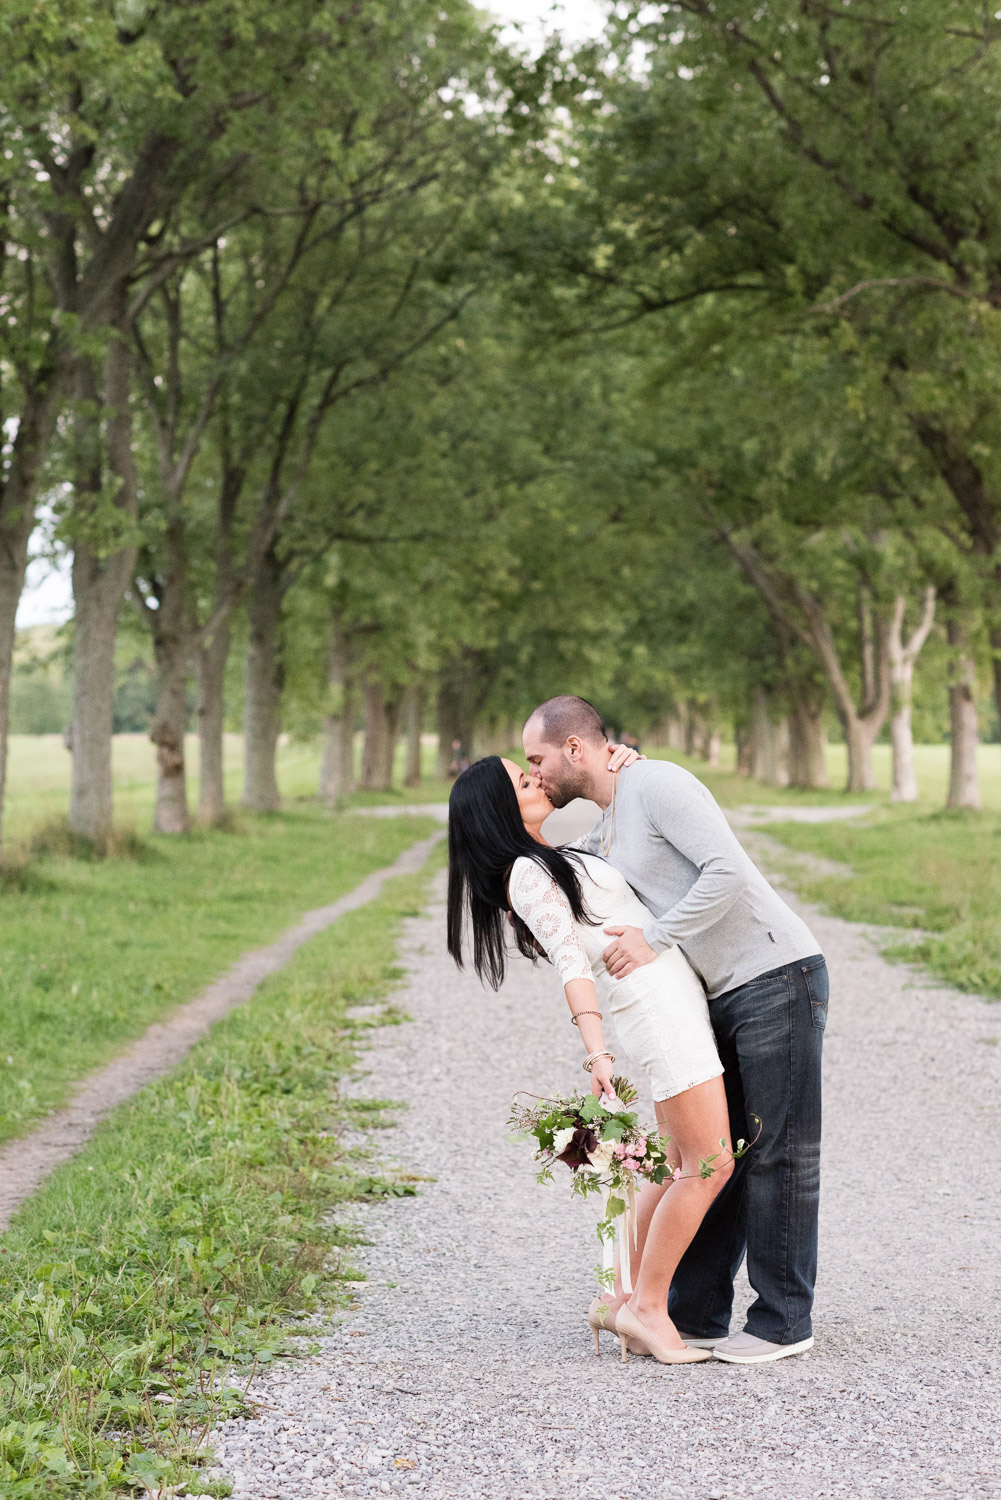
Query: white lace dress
(660, 1009)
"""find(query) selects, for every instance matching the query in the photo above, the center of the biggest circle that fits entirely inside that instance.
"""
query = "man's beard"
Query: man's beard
(572, 782)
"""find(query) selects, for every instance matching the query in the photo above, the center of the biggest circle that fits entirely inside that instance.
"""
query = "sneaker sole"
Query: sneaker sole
(765, 1359)
(703, 1343)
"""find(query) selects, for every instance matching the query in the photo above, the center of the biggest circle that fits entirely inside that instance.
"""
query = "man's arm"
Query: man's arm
(688, 817)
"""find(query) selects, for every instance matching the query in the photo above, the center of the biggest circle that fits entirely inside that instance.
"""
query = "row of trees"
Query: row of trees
(348, 347)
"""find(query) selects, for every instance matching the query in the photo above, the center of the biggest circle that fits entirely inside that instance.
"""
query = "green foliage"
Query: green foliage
(146, 1283)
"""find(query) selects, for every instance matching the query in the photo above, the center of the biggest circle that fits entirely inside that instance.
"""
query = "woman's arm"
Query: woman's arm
(545, 910)
(582, 998)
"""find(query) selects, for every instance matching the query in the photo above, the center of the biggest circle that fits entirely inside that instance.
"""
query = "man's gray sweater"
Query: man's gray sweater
(674, 846)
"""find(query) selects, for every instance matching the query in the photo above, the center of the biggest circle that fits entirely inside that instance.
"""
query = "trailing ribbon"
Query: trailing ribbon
(628, 1240)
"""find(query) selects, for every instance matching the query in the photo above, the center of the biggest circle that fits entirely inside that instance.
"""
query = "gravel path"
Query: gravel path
(466, 1372)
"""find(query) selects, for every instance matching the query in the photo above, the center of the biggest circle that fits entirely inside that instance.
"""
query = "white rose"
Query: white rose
(562, 1139)
(602, 1155)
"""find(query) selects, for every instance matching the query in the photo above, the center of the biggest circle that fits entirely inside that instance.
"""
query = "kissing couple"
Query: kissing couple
(718, 990)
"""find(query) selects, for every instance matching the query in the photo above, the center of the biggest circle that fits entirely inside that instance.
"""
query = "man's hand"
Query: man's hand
(621, 756)
(629, 951)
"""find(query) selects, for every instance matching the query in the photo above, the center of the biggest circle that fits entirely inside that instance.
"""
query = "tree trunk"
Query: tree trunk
(172, 650)
(770, 743)
(394, 712)
(904, 786)
(99, 584)
(964, 787)
(807, 740)
(17, 521)
(902, 656)
(377, 734)
(860, 736)
(712, 747)
(213, 656)
(263, 683)
(414, 727)
(170, 814)
(691, 728)
(337, 769)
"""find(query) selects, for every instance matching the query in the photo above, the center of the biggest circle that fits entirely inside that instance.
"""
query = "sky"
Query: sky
(47, 592)
(577, 19)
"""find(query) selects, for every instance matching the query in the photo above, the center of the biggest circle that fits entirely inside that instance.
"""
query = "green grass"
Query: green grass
(38, 780)
(939, 872)
(92, 951)
(145, 1283)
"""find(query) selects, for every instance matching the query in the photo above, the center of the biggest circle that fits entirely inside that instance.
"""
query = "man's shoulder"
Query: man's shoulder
(661, 776)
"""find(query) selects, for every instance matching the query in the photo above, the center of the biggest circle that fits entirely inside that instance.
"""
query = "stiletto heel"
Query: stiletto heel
(597, 1346)
(629, 1326)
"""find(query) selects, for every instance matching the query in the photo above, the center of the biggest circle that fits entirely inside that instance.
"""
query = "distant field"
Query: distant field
(932, 762)
(38, 779)
(39, 771)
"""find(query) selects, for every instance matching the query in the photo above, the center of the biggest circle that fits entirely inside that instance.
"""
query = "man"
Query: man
(767, 987)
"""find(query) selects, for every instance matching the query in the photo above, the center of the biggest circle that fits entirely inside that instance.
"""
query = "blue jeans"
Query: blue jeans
(770, 1036)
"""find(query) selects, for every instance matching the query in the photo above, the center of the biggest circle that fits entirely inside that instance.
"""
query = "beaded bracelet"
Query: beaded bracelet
(589, 1062)
(577, 1013)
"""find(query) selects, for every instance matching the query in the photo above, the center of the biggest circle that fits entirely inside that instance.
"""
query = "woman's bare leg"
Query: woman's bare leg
(697, 1121)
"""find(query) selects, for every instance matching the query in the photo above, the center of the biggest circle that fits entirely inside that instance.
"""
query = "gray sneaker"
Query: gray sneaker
(745, 1349)
(694, 1343)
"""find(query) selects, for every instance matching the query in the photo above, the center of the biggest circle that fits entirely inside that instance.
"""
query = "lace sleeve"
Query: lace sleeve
(545, 910)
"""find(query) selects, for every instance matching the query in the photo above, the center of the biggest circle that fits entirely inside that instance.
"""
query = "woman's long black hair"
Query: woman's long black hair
(485, 837)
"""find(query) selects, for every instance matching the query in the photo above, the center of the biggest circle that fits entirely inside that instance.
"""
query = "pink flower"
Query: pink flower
(621, 1151)
(639, 1145)
(631, 1164)
(676, 1174)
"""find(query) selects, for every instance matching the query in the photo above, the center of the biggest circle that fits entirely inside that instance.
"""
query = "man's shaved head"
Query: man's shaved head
(566, 715)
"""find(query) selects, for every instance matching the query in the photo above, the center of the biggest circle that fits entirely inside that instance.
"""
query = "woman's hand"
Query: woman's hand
(601, 1077)
(621, 756)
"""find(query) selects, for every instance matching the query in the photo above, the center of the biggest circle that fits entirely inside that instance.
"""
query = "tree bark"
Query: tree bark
(412, 773)
(337, 767)
(964, 786)
(902, 656)
(213, 657)
(377, 734)
(394, 712)
(172, 650)
(263, 683)
(769, 742)
(99, 582)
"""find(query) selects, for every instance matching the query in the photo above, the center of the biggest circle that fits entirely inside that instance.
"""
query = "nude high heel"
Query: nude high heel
(601, 1324)
(631, 1331)
(608, 1325)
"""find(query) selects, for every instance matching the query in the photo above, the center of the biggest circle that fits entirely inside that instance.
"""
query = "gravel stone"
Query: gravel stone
(473, 1375)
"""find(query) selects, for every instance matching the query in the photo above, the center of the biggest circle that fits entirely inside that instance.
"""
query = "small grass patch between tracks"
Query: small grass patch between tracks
(150, 1278)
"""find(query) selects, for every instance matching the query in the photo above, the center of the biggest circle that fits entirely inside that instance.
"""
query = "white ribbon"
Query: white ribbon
(611, 1239)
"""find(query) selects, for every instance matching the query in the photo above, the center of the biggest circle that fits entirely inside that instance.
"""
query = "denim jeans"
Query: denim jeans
(770, 1035)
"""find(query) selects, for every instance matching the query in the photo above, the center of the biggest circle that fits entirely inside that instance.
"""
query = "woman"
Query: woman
(499, 863)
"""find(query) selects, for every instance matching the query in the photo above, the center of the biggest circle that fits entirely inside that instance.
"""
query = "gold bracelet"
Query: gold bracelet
(589, 1062)
(577, 1013)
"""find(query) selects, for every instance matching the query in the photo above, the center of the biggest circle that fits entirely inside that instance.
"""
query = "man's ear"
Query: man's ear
(573, 747)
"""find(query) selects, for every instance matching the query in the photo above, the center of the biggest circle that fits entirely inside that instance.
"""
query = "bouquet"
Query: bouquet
(609, 1152)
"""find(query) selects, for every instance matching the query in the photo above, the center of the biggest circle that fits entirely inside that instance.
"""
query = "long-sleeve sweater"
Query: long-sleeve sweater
(674, 846)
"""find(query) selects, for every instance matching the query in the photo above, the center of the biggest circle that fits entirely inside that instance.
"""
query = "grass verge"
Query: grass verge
(938, 872)
(93, 951)
(146, 1282)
